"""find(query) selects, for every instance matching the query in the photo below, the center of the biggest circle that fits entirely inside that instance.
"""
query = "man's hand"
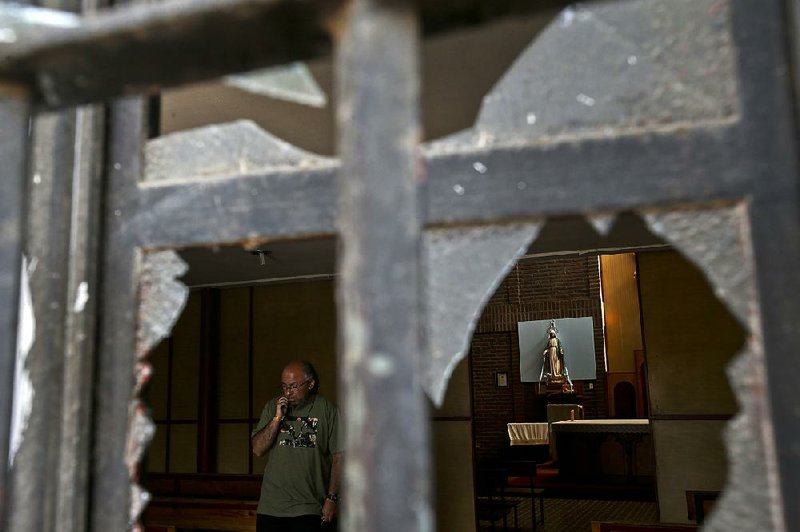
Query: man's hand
(281, 407)
(328, 511)
(263, 440)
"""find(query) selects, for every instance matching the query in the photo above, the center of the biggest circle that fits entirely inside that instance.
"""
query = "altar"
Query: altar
(528, 434)
(605, 450)
(529, 441)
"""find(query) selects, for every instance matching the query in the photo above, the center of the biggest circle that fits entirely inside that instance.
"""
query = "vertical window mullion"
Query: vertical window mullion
(168, 423)
(250, 413)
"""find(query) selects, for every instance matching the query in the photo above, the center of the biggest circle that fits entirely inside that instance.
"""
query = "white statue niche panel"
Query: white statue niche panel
(576, 337)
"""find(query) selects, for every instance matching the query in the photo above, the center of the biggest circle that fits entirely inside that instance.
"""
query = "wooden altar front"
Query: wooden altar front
(605, 450)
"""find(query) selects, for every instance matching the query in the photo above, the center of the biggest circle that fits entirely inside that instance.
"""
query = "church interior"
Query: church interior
(662, 342)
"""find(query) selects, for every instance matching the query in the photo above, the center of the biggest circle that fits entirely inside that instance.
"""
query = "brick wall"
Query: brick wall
(536, 289)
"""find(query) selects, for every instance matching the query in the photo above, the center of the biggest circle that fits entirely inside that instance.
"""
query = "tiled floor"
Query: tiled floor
(576, 515)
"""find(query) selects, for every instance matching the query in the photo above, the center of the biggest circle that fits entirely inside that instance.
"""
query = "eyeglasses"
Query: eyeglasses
(294, 386)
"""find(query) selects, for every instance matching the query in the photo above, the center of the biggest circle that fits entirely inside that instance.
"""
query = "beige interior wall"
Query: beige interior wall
(690, 455)
(457, 397)
(452, 455)
(690, 338)
(293, 321)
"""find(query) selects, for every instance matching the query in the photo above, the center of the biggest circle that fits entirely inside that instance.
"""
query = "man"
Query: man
(299, 429)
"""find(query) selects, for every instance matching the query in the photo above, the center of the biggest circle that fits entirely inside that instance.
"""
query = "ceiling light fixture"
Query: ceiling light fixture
(262, 255)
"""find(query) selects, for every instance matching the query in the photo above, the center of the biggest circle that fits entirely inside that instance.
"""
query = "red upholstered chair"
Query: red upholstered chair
(522, 482)
(493, 504)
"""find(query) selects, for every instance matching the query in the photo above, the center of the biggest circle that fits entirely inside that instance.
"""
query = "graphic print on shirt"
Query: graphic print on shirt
(299, 432)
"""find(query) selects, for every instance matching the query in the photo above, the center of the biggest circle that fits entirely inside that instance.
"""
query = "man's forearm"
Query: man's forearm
(264, 439)
(336, 474)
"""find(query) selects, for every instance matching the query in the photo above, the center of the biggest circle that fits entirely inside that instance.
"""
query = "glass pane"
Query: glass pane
(293, 83)
(234, 339)
(464, 266)
(233, 448)
(158, 386)
(186, 337)
(156, 457)
(183, 448)
(613, 65)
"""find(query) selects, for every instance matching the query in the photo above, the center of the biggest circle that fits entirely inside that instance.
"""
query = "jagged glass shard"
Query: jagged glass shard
(139, 500)
(292, 82)
(607, 68)
(602, 222)
(717, 240)
(23, 387)
(714, 239)
(464, 266)
(745, 503)
(234, 148)
(162, 298)
(18, 20)
(141, 431)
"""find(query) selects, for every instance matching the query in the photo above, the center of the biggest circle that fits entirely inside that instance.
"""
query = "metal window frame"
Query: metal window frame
(753, 160)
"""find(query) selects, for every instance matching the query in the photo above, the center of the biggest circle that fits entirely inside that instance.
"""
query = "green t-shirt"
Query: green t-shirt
(299, 463)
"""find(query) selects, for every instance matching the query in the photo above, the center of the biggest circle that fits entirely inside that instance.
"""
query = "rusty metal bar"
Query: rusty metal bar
(771, 133)
(705, 164)
(615, 173)
(387, 472)
(47, 249)
(50, 488)
(137, 48)
(112, 53)
(282, 204)
(13, 158)
(72, 495)
(110, 478)
(141, 48)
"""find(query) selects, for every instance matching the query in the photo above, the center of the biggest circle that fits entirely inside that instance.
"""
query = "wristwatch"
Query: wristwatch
(332, 497)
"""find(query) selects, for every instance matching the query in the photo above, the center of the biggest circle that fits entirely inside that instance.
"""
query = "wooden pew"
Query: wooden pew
(611, 526)
(170, 514)
(207, 502)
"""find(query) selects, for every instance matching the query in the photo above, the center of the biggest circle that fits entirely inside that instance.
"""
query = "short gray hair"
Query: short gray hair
(311, 373)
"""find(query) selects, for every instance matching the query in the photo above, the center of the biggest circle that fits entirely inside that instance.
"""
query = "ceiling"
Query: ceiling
(283, 261)
(298, 260)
